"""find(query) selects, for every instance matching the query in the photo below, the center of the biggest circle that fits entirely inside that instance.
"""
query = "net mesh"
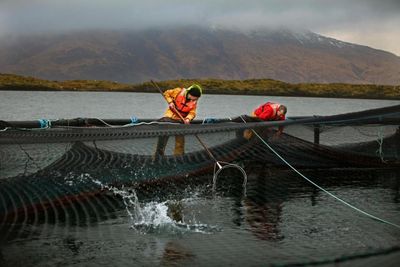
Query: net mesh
(60, 165)
(355, 140)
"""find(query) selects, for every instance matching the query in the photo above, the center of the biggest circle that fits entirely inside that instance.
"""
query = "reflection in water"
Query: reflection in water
(260, 208)
(176, 255)
(1, 257)
(396, 188)
(278, 206)
(72, 244)
(263, 204)
(268, 190)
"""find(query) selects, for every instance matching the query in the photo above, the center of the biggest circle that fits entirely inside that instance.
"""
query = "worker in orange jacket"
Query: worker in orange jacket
(182, 101)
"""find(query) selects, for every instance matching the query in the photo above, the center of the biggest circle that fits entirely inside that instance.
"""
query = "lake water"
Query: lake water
(282, 220)
(55, 105)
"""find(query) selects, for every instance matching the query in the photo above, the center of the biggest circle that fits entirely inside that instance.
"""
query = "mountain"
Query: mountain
(193, 52)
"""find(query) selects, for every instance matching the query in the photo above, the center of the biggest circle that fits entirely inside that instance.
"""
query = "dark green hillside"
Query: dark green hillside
(211, 86)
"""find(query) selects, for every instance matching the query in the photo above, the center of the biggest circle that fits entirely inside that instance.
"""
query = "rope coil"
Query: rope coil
(44, 123)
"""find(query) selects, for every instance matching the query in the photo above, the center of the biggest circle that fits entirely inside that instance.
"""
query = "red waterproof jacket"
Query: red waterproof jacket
(268, 112)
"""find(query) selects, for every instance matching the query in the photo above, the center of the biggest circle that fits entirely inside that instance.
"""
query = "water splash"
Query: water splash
(154, 217)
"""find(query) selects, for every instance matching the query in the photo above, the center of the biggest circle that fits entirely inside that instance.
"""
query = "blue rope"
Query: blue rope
(210, 120)
(44, 123)
(134, 120)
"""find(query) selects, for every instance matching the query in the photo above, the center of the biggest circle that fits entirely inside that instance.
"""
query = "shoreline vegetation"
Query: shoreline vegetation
(11, 82)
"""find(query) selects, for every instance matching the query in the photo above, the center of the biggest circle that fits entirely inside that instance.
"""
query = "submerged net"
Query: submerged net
(47, 166)
(35, 161)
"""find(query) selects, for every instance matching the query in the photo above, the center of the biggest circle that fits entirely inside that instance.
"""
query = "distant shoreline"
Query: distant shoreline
(10, 82)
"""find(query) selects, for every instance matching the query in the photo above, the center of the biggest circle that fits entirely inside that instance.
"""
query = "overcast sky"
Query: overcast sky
(375, 23)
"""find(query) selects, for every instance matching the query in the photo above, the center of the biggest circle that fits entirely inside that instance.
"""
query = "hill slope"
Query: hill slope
(138, 56)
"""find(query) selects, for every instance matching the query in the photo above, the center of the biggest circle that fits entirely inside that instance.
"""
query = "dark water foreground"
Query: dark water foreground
(279, 220)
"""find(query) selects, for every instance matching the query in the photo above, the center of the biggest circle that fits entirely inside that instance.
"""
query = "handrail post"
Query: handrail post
(316, 133)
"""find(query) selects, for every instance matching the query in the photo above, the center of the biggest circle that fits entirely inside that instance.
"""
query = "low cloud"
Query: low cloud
(369, 21)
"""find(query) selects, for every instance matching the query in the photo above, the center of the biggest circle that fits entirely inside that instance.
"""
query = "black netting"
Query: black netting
(70, 160)
(355, 140)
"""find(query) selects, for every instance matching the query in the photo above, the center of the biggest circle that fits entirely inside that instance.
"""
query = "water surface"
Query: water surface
(280, 219)
(29, 105)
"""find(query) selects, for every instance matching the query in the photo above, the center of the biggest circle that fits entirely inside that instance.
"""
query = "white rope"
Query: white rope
(121, 126)
(319, 187)
(133, 123)
(80, 127)
(379, 151)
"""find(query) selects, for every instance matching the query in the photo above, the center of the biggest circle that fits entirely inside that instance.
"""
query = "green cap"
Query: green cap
(195, 90)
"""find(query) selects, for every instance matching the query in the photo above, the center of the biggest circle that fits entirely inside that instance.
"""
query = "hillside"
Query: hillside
(197, 53)
(210, 86)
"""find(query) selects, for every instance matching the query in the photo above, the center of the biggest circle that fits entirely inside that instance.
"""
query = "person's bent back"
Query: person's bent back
(270, 112)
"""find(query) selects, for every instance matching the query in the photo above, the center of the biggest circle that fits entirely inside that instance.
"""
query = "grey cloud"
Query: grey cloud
(29, 16)
(35, 15)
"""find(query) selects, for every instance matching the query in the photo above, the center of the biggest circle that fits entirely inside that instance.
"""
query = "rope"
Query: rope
(379, 151)
(115, 126)
(228, 165)
(119, 126)
(319, 187)
(44, 123)
(134, 120)
(209, 120)
(214, 120)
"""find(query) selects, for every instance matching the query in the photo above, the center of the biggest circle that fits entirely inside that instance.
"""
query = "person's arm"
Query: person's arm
(171, 94)
(280, 128)
(191, 115)
(280, 131)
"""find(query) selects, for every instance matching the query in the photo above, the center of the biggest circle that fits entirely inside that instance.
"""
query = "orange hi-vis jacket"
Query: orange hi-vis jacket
(186, 108)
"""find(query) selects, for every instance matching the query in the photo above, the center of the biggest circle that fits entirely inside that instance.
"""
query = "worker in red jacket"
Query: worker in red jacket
(267, 112)
(270, 112)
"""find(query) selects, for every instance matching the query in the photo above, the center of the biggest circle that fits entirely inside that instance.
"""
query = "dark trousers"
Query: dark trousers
(163, 141)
